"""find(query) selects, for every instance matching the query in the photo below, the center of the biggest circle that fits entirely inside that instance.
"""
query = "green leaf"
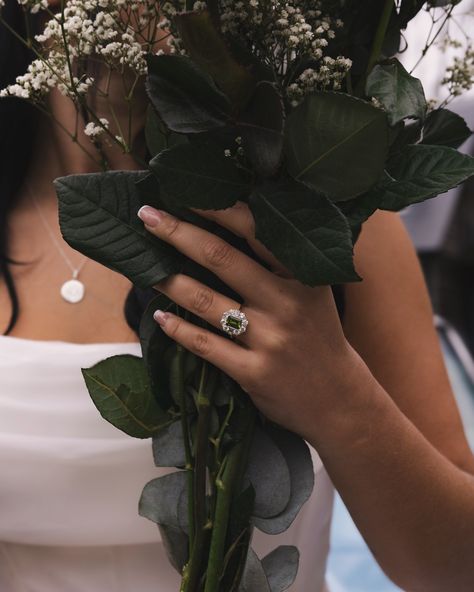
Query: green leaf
(281, 567)
(119, 389)
(421, 172)
(401, 95)
(262, 127)
(208, 50)
(160, 502)
(168, 447)
(298, 458)
(186, 98)
(157, 348)
(305, 232)
(158, 137)
(98, 217)
(199, 176)
(254, 578)
(333, 132)
(268, 473)
(358, 210)
(443, 127)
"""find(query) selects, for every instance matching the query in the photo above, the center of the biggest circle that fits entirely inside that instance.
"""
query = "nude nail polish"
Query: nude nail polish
(149, 216)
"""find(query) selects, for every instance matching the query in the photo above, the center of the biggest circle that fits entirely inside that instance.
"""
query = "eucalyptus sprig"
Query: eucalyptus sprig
(302, 111)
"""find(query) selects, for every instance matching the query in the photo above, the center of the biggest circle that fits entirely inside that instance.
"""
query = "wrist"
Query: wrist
(355, 401)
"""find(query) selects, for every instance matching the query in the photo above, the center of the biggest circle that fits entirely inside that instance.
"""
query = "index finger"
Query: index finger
(244, 275)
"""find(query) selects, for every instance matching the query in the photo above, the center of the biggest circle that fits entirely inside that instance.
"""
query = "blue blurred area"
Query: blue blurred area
(351, 567)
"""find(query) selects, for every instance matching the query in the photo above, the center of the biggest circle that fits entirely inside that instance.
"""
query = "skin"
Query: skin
(371, 395)
(377, 405)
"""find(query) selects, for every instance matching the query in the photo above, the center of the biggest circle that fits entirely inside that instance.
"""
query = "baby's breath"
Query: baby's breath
(282, 34)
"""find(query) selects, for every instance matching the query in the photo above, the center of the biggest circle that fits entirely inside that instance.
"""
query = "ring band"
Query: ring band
(234, 322)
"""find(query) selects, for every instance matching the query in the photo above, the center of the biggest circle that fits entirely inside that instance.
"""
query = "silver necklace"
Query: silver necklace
(72, 290)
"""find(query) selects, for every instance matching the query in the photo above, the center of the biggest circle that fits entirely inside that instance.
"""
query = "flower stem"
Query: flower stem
(227, 487)
(201, 533)
(380, 35)
(178, 369)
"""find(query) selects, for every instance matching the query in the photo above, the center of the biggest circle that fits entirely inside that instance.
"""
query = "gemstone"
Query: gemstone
(234, 322)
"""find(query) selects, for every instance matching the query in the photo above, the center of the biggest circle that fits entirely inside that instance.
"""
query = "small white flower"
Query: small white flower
(93, 130)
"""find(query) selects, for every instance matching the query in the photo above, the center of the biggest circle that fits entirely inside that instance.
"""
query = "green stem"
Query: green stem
(178, 369)
(227, 486)
(380, 35)
(194, 568)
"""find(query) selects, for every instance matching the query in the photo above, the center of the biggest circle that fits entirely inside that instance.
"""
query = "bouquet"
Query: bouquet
(301, 110)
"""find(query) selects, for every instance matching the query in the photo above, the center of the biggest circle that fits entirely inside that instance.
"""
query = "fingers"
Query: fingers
(234, 268)
(198, 299)
(219, 351)
(240, 221)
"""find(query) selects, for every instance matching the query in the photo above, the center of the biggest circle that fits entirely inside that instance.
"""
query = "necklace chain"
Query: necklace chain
(74, 270)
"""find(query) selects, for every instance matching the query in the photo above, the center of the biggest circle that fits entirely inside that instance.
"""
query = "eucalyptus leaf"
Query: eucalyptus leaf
(401, 94)
(119, 389)
(176, 544)
(305, 231)
(207, 48)
(168, 447)
(186, 98)
(160, 502)
(421, 172)
(262, 126)
(199, 176)
(333, 132)
(269, 475)
(281, 567)
(443, 127)
(254, 578)
(98, 217)
(298, 458)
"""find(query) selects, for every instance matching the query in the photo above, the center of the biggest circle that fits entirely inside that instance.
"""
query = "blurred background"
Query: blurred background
(442, 230)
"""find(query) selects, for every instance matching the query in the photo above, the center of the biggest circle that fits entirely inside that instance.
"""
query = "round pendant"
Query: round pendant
(72, 291)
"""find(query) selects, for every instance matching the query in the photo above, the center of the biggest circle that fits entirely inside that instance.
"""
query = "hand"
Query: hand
(293, 357)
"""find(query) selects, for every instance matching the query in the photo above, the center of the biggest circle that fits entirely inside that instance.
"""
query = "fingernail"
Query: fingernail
(149, 216)
(160, 317)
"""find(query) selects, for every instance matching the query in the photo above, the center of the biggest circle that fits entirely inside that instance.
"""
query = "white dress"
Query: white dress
(70, 485)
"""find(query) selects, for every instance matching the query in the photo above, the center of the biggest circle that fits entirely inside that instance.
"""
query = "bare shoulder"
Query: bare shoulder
(389, 321)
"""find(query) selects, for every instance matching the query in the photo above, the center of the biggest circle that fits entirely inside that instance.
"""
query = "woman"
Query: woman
(371, 395)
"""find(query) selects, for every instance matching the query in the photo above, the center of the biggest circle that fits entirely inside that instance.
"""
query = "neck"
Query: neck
(56, 154)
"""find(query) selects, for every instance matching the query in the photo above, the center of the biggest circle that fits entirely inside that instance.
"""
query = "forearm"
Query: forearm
(414, 507)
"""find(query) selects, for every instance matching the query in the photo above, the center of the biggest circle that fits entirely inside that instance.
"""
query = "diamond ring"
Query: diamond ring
(234, 322)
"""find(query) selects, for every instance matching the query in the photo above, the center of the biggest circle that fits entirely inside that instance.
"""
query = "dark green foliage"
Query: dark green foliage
(305, 231)
(200, 176)
(120, 391)
(186, 99)
(98, 216)
(445, 128)
(333, 133)
(400, 94)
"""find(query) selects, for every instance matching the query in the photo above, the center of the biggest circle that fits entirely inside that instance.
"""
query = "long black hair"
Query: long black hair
(18, 126)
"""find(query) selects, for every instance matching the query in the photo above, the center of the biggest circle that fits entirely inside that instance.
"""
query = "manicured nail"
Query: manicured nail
(149, 216)
(160, 317)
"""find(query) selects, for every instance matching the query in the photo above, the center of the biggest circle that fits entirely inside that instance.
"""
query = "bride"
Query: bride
(358, 373)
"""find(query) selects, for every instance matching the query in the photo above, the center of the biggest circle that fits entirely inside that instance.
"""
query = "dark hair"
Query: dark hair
(18, 125)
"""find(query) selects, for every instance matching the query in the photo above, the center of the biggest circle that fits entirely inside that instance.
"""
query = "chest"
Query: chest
(39, 274)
